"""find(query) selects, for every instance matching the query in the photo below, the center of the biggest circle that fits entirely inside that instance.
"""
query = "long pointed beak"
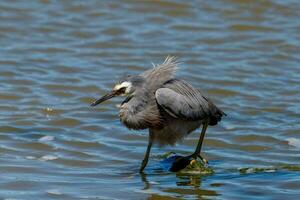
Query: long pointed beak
(104, 98)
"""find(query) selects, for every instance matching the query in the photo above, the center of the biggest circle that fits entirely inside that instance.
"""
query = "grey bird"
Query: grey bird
(169, 107)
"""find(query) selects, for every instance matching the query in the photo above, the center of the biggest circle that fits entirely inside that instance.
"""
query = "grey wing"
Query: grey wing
(181, 100)
(179, 106)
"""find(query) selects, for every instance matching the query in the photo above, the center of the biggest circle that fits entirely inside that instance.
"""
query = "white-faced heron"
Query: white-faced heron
(170, 108)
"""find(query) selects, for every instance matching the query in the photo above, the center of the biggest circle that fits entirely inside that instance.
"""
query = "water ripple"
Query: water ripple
(56, 58)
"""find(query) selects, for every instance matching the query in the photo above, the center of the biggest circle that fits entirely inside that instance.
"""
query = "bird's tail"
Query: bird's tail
(216, 117)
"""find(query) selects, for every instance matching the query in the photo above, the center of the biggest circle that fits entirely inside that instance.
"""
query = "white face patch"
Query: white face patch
(126, 85)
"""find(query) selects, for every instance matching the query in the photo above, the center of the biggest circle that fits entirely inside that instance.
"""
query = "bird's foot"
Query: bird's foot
(203, 160)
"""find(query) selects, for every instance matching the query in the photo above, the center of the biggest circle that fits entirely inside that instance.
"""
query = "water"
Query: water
(57, 56)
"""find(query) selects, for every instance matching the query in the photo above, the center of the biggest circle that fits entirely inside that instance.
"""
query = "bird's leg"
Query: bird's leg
(199, 145)
(145, 161)
(183, 161)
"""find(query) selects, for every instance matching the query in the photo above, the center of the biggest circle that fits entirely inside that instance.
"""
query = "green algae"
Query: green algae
(196, 167)
(247, 170)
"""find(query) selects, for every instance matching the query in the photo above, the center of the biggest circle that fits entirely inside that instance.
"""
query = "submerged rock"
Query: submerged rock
(196, 167)
(184, 164)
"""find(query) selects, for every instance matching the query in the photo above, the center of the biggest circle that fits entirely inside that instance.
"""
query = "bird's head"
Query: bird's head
(125, 87)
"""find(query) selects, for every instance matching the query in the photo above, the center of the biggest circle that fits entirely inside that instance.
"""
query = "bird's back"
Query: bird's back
(199, 106)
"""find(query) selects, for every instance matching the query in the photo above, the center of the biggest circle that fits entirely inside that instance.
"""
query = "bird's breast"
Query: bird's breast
(122, 111)
(131, 119)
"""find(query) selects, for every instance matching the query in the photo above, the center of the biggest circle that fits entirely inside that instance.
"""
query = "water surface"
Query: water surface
(57, 56)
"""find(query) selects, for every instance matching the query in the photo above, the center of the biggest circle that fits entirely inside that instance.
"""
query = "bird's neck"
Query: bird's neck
(136, 102)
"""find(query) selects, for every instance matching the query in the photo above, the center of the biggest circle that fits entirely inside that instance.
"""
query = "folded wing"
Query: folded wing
(180, 100)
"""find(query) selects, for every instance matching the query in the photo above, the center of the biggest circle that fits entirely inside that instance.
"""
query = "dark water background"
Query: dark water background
(57, 56)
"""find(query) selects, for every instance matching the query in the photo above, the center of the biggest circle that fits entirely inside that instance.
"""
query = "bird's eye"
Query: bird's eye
(122, 90)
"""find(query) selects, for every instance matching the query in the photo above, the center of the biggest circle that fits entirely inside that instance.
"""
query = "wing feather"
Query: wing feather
(180, 106)
(181, 100)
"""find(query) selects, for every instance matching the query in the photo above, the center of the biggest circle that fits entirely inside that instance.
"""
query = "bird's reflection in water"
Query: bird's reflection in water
(185, 185)
(145, 181)
(188, 180)
(191, 185)
(161, 183)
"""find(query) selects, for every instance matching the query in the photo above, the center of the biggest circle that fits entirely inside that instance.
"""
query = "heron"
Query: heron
(170, 108)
